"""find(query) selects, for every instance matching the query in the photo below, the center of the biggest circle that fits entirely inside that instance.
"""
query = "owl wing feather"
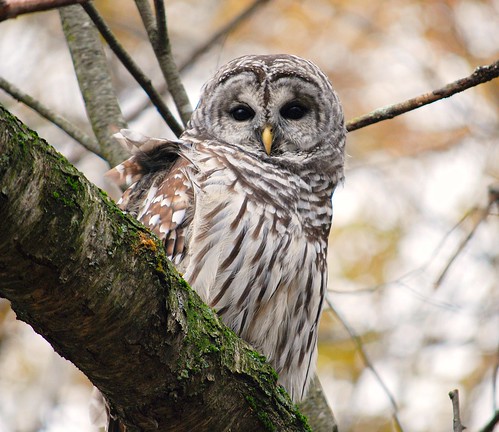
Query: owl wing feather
(160, 190)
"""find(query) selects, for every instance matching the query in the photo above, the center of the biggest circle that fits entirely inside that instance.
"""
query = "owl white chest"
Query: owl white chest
(251, 258)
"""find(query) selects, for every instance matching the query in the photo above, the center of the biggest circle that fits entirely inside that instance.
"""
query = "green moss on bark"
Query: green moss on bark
(94, 267)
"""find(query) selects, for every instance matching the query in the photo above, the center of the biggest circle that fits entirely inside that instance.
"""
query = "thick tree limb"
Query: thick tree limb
(93, 75)
(481, 75)
(99, 288)
(14, 8)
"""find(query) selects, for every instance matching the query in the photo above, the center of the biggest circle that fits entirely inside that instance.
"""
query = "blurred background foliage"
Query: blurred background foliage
(415, 188)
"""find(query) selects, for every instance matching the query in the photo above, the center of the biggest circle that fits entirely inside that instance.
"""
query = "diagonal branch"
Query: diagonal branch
(223, 32)
(75, 133)
(367, 361)
(14, 8)
(97, 285)
(160, 42)
(133, 68)
(163, 49)
(481, 75)
(482, 216)
(491, 424)
(162, 32)
(205, 47)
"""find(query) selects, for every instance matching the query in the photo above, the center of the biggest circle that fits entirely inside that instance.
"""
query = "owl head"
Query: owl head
(280, 107)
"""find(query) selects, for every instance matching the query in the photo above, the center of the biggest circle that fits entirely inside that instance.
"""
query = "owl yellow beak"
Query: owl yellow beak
(267, 138)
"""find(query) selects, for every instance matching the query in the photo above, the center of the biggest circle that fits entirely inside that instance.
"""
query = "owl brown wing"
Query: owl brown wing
(160, 191)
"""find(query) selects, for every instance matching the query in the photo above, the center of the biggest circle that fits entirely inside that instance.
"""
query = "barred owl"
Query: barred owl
(242, 202)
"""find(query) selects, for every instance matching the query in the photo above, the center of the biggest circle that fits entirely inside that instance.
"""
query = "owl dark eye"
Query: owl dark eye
(242, 113)
(293, 111)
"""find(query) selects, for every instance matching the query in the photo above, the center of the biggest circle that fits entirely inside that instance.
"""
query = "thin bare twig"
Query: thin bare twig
(167, 64)
(495, 374)
(75, 133)
(14, 8)
(457, 426)
(220, 34)
(493, 198)
(483, 213)
(206, 46)
(162, 34)
(482, 216)
(133, 68)
(418, 270)
(367, 361)
(490, 426)
(481, 75)
(160, 42)
(494, 193)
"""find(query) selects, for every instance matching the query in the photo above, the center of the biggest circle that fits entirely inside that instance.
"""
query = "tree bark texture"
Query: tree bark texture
(97, 285)
(94, 79)
(315, 407)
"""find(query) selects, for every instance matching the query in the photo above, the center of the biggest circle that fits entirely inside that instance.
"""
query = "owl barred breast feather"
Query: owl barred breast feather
(242, 202)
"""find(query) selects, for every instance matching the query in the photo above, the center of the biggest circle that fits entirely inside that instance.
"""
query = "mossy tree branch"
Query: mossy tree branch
(97, 285)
